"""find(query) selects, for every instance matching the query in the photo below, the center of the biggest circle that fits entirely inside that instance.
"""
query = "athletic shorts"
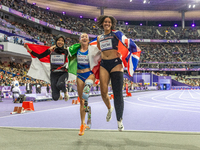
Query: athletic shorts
(84, 76)
(110, 64)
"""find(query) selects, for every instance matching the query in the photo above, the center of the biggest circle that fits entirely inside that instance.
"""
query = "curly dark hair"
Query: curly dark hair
(101, 19)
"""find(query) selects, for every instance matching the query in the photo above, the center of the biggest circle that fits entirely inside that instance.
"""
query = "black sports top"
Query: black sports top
(108, 42)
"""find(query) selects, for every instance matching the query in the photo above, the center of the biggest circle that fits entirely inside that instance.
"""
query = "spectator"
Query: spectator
(38, 86)
(28, 87)
(14, 82)
(48, 88)
(16, 92)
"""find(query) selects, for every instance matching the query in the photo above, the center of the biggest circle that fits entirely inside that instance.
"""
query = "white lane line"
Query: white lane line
(155, 92)
(181, 95)
(168, 105)
(172, 101)
(159, 107)
(33, 112)
(186, 98)
(182, 98)
(181, 102)
(196, 92)
(193, 96)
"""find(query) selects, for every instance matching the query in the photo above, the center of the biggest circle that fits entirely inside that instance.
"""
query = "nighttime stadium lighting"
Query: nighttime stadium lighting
(34, 3)
(130, 0)
(146, 1)
(193, 6)
(189, 6)
(193, 25)
(175, 25)
(95, 19)
(140, 24)
(63, 13)
(126, 23)
(159, 25)
(81, 16)
(47, 8)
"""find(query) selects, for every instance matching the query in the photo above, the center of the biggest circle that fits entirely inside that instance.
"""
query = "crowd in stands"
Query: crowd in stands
(169, 33)
(171, 66)
(188, 81)
(150, 52)
(169, 52)
(56, 19)
(89, 26)
(19, 71)
(11, 70)
(42, 36)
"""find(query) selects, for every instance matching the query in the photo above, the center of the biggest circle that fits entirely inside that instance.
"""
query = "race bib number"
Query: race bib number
(58, 59)
(83, 59)
(106, 44)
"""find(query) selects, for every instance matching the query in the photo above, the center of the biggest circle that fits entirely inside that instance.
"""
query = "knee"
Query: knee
(55, 97)
(104, 95)
(60, 85)
(85, 96)
(82, 102)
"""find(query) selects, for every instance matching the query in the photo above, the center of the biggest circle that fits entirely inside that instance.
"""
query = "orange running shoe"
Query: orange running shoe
(82, 129)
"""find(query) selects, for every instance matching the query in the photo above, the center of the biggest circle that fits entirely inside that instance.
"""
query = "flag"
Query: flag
(130, 52)
(40, 68)
(94, 57)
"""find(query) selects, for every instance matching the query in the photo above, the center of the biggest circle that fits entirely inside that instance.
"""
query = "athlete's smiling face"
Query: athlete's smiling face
(107, 24)
(60, 42)
(84, 39)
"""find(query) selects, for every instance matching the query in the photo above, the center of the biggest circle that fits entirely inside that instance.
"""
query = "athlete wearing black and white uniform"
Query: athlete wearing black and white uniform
(59, 63)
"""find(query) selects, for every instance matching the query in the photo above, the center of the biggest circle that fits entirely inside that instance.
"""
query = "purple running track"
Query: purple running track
(175, 110)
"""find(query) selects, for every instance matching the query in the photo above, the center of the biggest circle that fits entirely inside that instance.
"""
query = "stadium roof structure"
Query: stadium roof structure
(142, 10)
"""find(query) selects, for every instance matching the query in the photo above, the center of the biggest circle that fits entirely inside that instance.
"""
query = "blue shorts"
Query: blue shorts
(84, 76)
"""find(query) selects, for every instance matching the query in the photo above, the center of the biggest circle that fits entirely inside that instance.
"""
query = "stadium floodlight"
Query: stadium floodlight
(81, 16)
(95, 19)
(34, 3)
(144, 1)
(140, 24)
(126, 23)
(193, 6)
(193, 25)
(63, 13)
(190, 6)
(130, 0)
(159, 25)
(175, 25)
(47, 8)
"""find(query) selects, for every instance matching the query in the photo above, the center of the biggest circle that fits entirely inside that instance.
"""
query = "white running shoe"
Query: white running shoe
(60, 98)
(120, 125)
(109, 117)
(66, 96)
